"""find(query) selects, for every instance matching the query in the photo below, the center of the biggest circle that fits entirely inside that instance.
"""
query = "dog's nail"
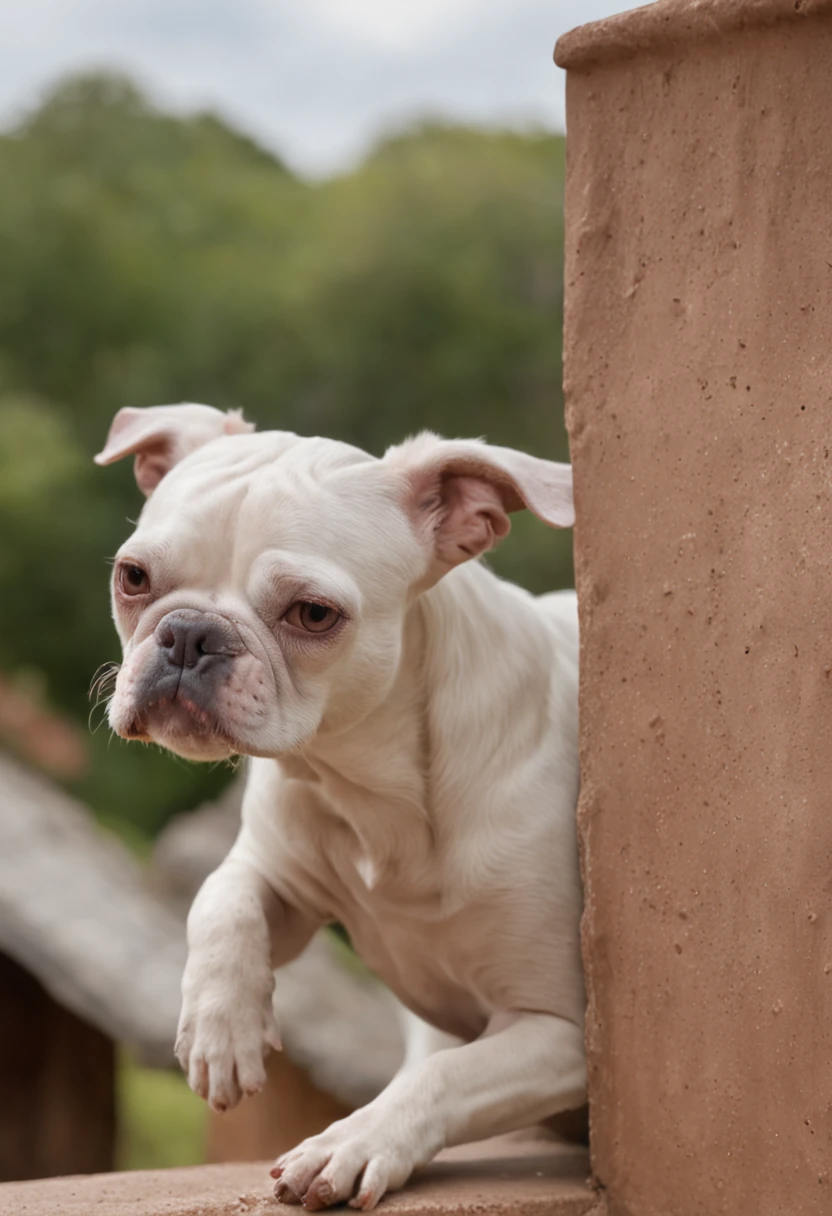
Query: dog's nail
(320, 1195)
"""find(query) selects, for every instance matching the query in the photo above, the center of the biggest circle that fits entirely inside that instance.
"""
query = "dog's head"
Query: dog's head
(263, 594)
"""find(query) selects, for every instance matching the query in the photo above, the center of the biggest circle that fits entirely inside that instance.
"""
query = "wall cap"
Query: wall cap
(654, 26)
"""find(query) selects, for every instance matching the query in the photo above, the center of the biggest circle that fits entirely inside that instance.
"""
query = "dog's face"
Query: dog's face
(262, 597)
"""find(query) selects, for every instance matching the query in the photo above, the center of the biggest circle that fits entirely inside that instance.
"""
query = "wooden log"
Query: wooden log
(58, 1114)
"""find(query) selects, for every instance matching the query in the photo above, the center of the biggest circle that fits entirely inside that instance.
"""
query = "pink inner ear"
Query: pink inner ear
(151, 465)
(473, 520)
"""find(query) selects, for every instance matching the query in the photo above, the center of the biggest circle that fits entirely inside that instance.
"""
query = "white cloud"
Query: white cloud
(393, 26)
(314, 79)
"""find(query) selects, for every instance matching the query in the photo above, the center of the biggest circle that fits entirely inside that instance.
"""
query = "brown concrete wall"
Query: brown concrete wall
(699, 391)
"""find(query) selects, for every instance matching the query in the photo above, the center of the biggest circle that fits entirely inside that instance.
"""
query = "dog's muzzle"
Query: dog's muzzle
(193, 658)
(196, 642)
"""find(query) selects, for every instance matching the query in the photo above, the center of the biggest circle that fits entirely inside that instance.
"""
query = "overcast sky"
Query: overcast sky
(316, 80)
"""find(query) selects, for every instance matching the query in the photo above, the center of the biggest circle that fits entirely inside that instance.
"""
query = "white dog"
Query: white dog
(414, 723)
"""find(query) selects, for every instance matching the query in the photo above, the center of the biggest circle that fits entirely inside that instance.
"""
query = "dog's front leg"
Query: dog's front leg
(239, 930)
(525, 1067)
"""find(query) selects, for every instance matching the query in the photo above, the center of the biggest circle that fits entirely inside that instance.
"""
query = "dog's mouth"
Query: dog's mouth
(181, 725)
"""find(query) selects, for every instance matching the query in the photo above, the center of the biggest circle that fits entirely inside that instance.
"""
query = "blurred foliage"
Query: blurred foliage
(161, 1122)
(150, 258)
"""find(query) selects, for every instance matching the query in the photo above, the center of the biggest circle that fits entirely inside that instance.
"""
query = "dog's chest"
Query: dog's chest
(425, 953)
(398, 895)
(465, 910)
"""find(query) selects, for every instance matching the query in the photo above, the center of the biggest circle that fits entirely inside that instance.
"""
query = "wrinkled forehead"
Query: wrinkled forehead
(219, 513)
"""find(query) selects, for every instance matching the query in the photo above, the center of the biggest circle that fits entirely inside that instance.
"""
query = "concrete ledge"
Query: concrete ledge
(674, 22)
(506, 1176)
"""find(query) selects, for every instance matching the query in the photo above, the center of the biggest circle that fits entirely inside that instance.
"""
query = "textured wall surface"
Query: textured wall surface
(699, 391)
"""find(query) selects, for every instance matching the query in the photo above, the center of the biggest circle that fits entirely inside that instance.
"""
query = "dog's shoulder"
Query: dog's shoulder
(560, 610)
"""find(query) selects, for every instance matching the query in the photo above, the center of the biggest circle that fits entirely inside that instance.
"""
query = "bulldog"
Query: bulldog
(412, 726)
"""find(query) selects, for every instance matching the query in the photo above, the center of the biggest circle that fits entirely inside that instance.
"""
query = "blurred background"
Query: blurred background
(343, 216)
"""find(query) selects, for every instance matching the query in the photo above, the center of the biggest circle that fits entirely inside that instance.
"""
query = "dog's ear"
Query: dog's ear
(162, 435)
(460, 493)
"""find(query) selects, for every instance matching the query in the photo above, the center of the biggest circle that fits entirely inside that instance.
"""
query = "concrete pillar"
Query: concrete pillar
(699, 396)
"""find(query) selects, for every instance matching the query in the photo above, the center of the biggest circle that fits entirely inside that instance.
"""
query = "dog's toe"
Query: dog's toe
(321, 1194)
(301, 1167)
(198, 1075)
(355, 1161)
(375, 1182)
(284, 1194)
(336, 1181)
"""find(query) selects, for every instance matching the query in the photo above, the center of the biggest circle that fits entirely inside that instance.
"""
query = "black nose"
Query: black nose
(193, 641)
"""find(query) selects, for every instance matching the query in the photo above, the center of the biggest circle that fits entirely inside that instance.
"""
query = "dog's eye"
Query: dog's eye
(132, 579)
(313, 618)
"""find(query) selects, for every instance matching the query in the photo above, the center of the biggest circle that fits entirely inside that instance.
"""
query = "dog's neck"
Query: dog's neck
(467, 642)
(377, 773)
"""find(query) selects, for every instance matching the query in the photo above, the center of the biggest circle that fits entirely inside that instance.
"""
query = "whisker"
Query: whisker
(95, 729)
(102, 699)
(102, 691)
(103, 673)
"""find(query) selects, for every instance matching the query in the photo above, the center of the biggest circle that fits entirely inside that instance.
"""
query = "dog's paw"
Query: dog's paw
(357, 1160)
(226, 1030)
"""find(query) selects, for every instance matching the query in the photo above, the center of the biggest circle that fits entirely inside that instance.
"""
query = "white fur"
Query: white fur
(416, 780)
